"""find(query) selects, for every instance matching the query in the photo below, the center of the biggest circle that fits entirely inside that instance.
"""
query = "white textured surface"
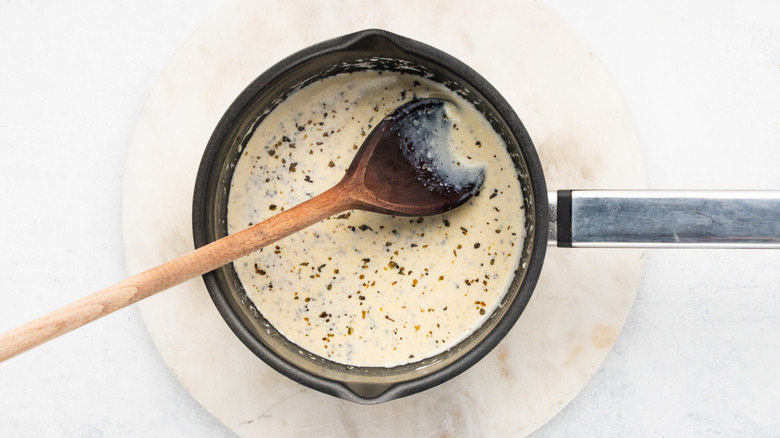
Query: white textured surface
(73, 80)
(698, 355)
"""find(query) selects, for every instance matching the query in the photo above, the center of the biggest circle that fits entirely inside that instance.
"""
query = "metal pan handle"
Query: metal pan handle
(664, 219)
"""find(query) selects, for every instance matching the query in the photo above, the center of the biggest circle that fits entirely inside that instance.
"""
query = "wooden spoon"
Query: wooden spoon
(402, 168)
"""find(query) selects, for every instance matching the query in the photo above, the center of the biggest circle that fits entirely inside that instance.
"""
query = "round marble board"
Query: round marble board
(585, 138)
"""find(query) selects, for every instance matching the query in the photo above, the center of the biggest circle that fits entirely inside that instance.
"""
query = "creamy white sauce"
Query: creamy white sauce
(362, 288)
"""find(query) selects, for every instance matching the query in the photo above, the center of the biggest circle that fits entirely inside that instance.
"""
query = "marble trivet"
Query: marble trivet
(585, 138)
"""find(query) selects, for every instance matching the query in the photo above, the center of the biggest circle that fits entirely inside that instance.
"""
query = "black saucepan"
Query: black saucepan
(582, 217)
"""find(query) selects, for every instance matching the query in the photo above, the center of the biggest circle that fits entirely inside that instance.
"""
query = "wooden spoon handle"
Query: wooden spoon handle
(179, 270)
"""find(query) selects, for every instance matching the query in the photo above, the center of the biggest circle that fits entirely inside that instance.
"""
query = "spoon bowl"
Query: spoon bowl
(404, 166)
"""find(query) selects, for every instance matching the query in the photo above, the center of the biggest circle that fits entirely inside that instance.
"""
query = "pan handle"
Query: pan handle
(664, 219)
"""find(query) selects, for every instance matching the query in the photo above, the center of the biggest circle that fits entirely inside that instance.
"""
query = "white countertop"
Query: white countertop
(698, 354)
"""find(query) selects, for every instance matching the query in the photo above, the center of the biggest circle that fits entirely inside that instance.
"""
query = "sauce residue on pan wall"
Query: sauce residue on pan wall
(361, 288)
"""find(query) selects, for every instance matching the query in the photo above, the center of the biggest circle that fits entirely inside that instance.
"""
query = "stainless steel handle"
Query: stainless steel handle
(665, 219)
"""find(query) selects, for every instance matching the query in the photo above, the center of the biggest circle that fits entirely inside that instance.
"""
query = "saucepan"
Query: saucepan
(567, 218)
